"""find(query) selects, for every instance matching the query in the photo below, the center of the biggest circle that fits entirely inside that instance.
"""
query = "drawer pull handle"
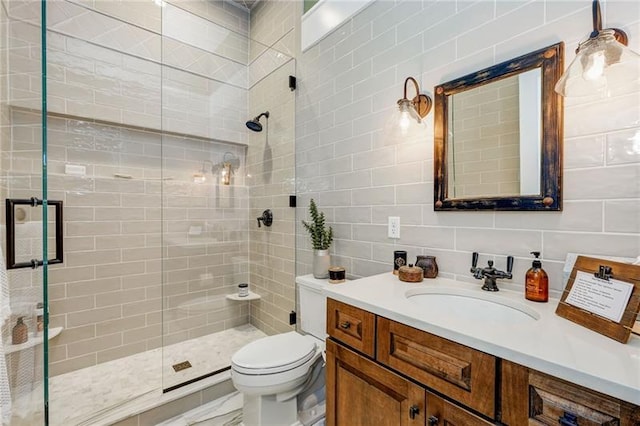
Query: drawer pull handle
(414, 411)
(433, 420)
(345, 325)
(568, 419)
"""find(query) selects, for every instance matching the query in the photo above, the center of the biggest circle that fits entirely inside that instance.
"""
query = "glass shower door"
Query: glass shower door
(23, 186)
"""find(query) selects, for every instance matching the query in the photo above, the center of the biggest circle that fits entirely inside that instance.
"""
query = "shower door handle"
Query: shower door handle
(10, 217)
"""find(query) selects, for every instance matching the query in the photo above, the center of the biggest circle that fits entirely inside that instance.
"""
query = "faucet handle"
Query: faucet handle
(509, 264)
(474, 259)
(266, 218)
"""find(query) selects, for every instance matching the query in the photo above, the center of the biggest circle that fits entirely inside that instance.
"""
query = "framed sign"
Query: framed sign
(603, 296)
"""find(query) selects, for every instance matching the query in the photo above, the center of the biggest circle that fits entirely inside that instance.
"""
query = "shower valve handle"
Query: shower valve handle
(266, 218)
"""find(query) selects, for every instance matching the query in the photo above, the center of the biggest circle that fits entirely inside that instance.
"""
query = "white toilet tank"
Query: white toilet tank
(312, 306)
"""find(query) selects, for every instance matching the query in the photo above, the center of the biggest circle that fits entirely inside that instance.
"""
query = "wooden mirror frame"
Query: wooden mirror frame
(550, 61)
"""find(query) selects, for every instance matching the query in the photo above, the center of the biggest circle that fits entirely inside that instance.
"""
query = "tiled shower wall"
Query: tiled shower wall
(271, 167)
(114, 82)
(351, 81)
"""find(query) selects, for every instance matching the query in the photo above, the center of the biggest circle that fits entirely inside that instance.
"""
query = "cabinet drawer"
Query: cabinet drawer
(441, 412)
(352, 326)
(461, 373)
(531, 397)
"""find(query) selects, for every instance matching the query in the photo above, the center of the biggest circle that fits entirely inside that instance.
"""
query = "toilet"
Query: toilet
(276, 372)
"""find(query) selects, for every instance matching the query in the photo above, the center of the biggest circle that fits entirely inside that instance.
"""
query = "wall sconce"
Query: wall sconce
(225, 167)
(603, 63)
(414, 109)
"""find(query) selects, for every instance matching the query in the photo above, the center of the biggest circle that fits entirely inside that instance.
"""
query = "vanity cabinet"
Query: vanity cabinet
(370, 360)
(381, 372)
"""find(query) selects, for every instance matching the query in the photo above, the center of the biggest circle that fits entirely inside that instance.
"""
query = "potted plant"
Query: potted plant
(321, 239)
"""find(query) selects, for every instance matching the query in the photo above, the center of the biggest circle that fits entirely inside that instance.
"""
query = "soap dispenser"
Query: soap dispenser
(537, 281)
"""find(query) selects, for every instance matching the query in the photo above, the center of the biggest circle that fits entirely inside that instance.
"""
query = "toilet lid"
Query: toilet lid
(274, 354)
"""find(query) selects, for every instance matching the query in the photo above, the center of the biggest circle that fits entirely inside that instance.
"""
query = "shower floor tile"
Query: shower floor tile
(81, 395)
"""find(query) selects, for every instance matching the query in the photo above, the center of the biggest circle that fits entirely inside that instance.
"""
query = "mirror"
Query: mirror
(498, 136)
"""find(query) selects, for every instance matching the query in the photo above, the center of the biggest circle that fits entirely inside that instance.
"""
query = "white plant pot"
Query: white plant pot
(321, 263)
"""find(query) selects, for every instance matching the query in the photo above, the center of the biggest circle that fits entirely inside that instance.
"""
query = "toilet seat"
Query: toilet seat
(274, 354)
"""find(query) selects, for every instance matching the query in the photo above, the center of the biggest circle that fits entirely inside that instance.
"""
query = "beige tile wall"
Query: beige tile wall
(108, 68)
(142, 253)
(271, 166)
(351, 81)
(155, 251)
(24, 367)
(134, 246)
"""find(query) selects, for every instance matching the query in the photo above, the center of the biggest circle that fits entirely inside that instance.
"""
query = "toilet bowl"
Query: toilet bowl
(274, 371)
(271, 372)
(275, 364)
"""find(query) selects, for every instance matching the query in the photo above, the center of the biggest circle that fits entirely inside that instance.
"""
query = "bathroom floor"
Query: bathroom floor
(226, 411)
(81, 395)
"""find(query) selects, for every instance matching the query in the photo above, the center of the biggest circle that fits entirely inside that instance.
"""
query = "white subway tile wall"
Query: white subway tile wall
(358, 180)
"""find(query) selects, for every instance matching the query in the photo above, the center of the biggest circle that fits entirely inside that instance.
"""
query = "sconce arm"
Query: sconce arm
(421, 103)
(620, 36)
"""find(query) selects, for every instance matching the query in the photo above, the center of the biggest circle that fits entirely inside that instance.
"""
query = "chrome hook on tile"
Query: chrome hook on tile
(266, 218)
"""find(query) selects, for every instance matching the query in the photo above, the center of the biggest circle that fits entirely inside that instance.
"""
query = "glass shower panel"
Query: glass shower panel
(205, 197)
(22, 372)
(208, 212)
(105, 142)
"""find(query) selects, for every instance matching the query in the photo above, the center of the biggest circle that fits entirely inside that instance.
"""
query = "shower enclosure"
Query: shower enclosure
(128, 117)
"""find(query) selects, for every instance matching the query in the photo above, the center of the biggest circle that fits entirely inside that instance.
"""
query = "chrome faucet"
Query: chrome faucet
(489, 273)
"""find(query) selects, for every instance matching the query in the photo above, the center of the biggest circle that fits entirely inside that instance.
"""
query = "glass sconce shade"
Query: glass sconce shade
(406, 120)
(408, 114)
(602, 66)
(404, 126)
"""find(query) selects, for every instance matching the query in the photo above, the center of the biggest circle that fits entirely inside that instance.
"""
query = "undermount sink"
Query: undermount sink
(471, 305)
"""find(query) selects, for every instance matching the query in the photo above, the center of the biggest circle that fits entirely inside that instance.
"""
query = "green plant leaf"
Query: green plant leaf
(321, 236)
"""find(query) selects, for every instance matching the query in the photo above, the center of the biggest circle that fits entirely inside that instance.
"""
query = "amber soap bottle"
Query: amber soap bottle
(537, 281)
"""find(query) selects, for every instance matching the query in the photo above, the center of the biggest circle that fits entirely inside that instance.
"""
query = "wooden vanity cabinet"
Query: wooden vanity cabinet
(367, 357)
(534, 398)
(381, 372)
(362, 393)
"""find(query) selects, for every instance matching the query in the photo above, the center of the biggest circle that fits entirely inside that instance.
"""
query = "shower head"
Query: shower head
(254, 124)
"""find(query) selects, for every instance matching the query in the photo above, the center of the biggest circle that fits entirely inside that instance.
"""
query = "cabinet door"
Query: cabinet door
(531, 397)
(444, 413)
(454, 370)
(362, 393)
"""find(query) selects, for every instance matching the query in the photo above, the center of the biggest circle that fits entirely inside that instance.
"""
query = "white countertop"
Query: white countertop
(551, 344)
